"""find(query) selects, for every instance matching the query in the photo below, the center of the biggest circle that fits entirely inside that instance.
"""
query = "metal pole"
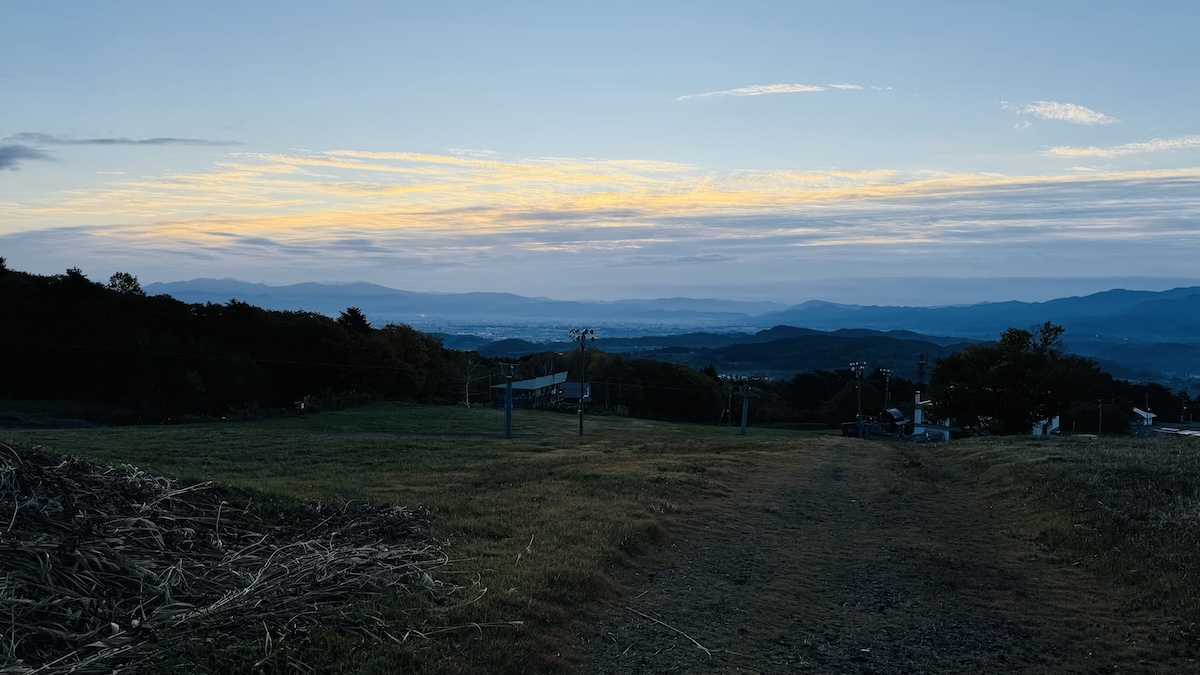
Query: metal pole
(745, 409)
(860, 419)
(508, 376)
(582, 334)
(582, 376)
(858, 367)
(508, 409)
(1100, 409)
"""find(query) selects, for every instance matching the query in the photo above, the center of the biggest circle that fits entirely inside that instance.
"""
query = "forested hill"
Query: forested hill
(776, 352)
(67, 337)
(784, 350)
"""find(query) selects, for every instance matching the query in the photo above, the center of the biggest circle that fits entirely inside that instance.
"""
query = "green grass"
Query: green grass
(541, 527)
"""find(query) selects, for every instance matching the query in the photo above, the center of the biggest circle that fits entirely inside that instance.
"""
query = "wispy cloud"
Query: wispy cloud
(1155, 145)
(1063, 112)
(764, 89)
(578, 220)
(27, 145)
(36, 138)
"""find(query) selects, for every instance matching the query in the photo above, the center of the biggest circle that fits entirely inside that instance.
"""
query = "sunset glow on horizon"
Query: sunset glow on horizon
(694, 148)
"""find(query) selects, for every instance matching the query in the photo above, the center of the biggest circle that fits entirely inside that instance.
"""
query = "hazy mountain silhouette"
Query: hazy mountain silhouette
(1138, 333)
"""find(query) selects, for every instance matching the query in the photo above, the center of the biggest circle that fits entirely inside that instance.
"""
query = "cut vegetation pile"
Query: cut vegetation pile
(109, 569)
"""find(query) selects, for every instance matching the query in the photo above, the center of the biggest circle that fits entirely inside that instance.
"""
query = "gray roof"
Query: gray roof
(536, 383)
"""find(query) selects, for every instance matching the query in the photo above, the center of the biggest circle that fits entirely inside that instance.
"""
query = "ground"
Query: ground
(868, 559)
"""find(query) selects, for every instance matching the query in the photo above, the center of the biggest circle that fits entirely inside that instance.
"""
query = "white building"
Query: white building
(1145, 418)
(937, 432)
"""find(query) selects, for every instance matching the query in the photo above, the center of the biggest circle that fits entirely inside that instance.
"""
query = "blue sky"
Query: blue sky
(770, 150)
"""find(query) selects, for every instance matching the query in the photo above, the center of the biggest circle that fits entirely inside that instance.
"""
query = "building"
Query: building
(538, 392)
(922, 427)
(1047, 426)
(570, 391)
(1143, 418)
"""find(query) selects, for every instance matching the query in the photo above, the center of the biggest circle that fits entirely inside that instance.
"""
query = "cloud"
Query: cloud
(1064, 112)
(763, 89)
(11, 156)
(37, 138)
(1155, 145)
(582, 221)
(24, 145)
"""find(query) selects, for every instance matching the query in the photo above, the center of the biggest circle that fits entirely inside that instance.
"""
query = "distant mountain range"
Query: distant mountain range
(383, 304)
(1134, 334)
(1136, 315)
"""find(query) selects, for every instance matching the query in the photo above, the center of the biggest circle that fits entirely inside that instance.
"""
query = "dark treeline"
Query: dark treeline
(67, 337)
(642, 387)
(827, 398)
(156, 358)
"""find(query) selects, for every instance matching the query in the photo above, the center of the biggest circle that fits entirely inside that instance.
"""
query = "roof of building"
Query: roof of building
(537, 382)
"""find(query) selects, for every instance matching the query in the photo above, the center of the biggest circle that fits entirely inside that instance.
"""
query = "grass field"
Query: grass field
(548, 529)
(540, 526)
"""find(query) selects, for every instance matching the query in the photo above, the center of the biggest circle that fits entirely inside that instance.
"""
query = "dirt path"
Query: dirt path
(861, 559)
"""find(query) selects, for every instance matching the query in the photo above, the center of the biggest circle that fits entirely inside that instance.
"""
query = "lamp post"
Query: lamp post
(887, 387)
(858, 367)
(582, 335)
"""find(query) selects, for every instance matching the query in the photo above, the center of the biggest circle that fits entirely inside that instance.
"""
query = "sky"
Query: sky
(911, 153)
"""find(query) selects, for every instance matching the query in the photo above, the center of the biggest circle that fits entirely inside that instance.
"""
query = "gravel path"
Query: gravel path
(865, 561)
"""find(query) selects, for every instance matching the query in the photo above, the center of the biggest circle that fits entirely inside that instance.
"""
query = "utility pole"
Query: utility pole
(582, 335)
(859, 367)
(747, 392)
(509, 370)
(1100, 409)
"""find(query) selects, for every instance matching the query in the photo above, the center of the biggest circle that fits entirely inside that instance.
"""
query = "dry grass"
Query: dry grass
(118, 570)
(1116, 523)
(541, 529)
(549, 529)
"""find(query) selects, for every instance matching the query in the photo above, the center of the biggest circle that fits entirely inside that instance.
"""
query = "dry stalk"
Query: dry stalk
(112, 569)
(669, 626)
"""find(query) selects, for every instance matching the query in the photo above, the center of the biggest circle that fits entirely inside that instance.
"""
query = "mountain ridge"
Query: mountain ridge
(1114, 313)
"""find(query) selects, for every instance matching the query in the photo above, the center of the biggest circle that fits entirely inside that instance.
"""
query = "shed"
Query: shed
(531, 393)
(1145, 418)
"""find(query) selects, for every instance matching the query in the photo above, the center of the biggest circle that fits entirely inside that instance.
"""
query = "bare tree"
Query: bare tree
(473, 372)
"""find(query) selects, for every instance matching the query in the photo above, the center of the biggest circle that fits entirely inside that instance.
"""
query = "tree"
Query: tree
(353, 319)
(1009, 386)
(125, 283)
(472, 371)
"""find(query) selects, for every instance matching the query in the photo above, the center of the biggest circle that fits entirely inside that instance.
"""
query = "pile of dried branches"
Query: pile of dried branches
(112, 569)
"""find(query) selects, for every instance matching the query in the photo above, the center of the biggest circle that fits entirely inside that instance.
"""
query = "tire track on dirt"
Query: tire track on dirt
(854, 561)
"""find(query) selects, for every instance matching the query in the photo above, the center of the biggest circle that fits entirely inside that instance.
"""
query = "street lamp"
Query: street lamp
(887, 387)
(858, 368)
(582, 335)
